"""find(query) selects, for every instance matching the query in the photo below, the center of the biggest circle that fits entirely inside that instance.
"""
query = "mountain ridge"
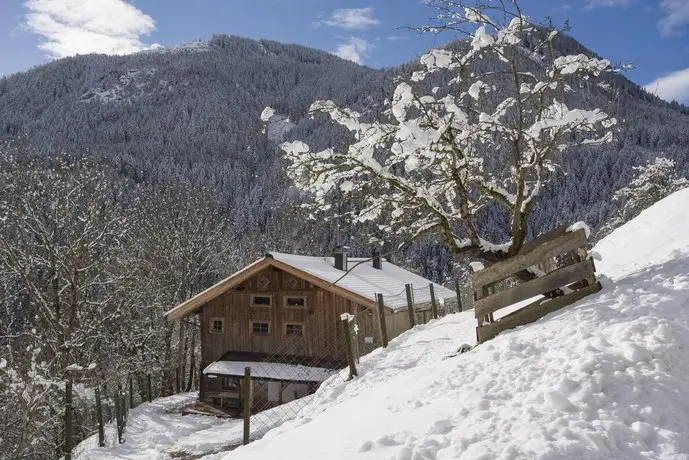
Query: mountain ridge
(193, 116)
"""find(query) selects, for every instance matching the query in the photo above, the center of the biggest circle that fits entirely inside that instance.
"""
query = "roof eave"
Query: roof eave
(190, 306)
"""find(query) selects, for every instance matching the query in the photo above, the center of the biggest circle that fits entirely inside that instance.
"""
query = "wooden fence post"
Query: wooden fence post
(99, 417)
(346, 318)
(383, 324)
(246, 397)
(119, 414)
(410, 305)
(434, 305)
(459, 296)
(150, 394)
(131, 391)
(68, 417)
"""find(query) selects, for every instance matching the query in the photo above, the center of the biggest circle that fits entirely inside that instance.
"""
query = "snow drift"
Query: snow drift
(605, 378)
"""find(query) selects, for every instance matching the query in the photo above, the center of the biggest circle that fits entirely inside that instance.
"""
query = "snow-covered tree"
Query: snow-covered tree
(459, 135)
(62, 235)
(651, 183)
(179, 245)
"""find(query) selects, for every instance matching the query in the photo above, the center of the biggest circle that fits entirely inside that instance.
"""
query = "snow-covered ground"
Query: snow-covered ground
(158, 430)
(605, 378)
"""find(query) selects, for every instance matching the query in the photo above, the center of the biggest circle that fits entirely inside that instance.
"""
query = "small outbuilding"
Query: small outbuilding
(280, 316)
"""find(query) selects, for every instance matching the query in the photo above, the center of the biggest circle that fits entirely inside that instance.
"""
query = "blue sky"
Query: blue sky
(651, 34)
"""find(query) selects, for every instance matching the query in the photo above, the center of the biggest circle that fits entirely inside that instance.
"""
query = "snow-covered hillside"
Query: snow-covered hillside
(605, 378)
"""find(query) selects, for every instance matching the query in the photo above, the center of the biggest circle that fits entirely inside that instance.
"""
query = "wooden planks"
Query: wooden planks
(541, 239)
(577, 280)
(546, 283)
(533, 312)
(550, 248)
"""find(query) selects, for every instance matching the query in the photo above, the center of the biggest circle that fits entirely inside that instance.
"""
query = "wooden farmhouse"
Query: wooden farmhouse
(280, 316)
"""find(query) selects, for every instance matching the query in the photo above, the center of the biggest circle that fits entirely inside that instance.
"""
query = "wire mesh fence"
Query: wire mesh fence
(267, 389)
(427, 304)
(279, 386)
(100, 411)
(270, 389)
(99, 417)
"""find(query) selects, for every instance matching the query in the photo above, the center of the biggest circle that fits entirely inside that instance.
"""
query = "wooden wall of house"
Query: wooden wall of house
(322, 328)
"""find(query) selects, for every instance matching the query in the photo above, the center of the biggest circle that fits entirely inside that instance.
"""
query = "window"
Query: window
(260, 327)
(295, 301)
(261, 300)
(230, 384)
(294, 329)
(216, 325)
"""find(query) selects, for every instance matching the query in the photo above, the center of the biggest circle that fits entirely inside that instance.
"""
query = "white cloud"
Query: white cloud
(350, 18)
(671, 87)
(69, 27)
(355, 49)
(397, 38)
(676, 15)
(591, 4)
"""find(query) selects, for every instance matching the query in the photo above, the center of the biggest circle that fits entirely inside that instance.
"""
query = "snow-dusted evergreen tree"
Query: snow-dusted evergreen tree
(438, 158)
(651, 183)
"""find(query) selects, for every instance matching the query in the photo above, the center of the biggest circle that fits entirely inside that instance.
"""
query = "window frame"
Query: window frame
(290, 296)
(261, 321)
(234, 388)
(211, 325)
(260, 305)
(294, 323)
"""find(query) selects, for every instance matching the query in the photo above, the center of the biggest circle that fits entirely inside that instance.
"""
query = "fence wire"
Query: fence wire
(313, 353)
(95, 409)
(283, 382)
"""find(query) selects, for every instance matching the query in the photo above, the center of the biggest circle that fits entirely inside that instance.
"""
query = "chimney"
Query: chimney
(340, 254)
(377, 262)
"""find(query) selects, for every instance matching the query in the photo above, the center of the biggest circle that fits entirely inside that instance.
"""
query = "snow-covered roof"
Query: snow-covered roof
(365, 280)
(362, 281)
(269, 370)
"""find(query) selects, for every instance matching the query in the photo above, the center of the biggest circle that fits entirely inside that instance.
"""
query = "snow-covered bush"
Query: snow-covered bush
(651, 183)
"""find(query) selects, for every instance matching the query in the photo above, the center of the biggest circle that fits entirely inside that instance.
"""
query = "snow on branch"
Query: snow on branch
(431, 161)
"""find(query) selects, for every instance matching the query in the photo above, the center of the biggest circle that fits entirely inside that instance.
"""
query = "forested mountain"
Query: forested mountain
(191, 114)
(130, 183)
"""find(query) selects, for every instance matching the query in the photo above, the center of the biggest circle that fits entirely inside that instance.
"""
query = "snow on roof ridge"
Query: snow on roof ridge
(365, 280)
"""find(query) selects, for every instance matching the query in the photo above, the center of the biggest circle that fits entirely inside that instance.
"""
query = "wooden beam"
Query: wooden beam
(533, 312)
(546, 283)
(382, 321)
(350, 350)
(410, 305)
(434, 305)
(501, 270)
(544, 238)
(247, 401)
(458, 290)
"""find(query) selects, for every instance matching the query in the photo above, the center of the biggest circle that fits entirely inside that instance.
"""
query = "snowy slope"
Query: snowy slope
(158, 431)
(605, 378)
